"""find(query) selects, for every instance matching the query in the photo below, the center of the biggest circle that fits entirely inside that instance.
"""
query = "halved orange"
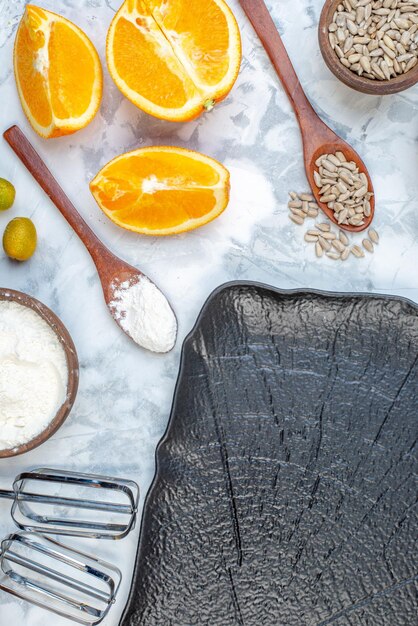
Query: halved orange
(58, 73)
(174, 58)
(162, 190)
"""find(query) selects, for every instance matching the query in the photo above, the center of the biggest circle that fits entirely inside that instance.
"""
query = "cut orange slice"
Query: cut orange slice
(162, 190)
(58, 73)
(174, 58)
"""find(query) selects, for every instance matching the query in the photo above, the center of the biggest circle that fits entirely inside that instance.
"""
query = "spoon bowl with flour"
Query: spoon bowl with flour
(136, 304)
(140, 309)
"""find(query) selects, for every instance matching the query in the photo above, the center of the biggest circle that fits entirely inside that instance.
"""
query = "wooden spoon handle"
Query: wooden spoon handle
(33, 162)
(263, 24)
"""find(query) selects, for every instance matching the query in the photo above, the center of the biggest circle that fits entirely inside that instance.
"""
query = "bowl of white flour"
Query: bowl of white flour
(38, 373)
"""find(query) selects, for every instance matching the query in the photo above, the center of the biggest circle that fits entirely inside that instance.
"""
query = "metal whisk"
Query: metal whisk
(67, 582)
(57, 502)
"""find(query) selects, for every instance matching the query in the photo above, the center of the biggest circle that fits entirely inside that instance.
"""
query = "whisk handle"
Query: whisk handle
(7, 495)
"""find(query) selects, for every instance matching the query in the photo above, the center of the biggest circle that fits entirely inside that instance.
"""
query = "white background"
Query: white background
(125, 394)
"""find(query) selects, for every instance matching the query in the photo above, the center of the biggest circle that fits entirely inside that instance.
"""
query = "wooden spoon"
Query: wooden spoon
(113, 272)
(317, 137)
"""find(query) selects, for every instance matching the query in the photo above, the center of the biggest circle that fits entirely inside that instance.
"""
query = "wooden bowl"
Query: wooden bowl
(72, 364)
(359, 83)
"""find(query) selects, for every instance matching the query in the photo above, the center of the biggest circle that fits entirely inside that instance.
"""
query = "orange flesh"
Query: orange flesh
(174, 55)
(58, 73)
(159, 191)
(32, 82)
(200, 31)
(71, 72)
(167, 209)
(139, 54)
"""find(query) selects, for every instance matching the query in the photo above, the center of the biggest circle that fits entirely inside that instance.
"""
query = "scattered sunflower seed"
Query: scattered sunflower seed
(324, 244)
(297, 219)
(357, 251)
(367, 245)
(345, 254)
(324, 227)
(343, 238)
(338, 246)
(335, 245)
(373, 235)
(319, 251)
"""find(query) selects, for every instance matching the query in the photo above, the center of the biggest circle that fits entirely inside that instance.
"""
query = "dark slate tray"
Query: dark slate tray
(285, 491)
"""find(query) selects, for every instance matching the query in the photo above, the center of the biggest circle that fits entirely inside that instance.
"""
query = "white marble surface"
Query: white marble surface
(125, 394)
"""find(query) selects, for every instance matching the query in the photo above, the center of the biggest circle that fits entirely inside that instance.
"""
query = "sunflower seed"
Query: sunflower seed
(324, 227)
(334, 159)
(324, 244)
(297, 219)
(342, 216)
(298, 212)
(338, 245)
(310, 238)
(328, 165)
(319, 251)
(345, 254)
(312, 213)
(349, 165)
(373, 235)
(343, 238)
(334, 255)
(356, 220)
(357, 251)
(411, 63)
(367, 245)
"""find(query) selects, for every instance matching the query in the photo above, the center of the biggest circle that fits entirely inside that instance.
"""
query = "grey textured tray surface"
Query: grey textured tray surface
(285, 490)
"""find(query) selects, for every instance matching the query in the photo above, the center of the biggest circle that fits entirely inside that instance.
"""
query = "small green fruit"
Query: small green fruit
(19, 239)
(7, 194)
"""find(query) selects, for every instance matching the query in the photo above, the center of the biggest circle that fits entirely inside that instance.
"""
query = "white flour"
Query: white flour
(144, 313)
(33, 374)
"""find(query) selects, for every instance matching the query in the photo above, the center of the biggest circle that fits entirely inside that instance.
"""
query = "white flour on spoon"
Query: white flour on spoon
(33, 374)
(145, 314)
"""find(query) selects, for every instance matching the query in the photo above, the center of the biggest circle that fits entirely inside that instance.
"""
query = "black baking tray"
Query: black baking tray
(285, 488)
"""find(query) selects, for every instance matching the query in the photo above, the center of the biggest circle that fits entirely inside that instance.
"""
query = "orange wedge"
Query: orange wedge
(162, 191)
(58, 73)
(174, 58)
